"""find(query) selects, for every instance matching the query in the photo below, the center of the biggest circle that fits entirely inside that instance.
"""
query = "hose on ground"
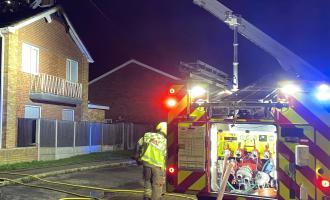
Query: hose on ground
(50, 188)
(92, 187)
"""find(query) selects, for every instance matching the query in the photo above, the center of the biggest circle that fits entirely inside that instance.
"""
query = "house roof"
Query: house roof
(133, 61)
(11, 24)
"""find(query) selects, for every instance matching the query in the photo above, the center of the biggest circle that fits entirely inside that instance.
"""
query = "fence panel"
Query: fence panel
(113, 134)
(65, 133)
(119, 132)
(26, 132)
(109, 135)
(96, 133)
(82, 134)
(47, 133)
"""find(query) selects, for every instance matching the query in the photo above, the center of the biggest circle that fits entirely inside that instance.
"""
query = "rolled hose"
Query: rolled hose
(81, 186)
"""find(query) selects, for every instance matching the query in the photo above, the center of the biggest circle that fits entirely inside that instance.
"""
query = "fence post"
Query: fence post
(56, 127)
(74, 137)
(127, 130)
(102, 127)
(114, 135)
(123, 135)
(90, 136)
(38, 137)
(131, 136)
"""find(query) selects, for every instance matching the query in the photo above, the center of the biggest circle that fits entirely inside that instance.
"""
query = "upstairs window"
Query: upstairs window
(72, 70)
(30, 59)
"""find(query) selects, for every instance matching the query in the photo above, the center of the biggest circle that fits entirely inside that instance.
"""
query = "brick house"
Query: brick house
(134, 92)
(44, 73)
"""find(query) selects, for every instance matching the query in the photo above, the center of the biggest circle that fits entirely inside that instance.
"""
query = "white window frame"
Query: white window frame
(33, 106)
(27, 67)
(69, 75)
(72, 114)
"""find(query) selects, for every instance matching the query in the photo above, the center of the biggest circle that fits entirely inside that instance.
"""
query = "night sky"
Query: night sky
(161, 33)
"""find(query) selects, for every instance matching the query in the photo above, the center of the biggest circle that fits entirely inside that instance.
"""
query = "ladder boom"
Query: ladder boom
(288, 60)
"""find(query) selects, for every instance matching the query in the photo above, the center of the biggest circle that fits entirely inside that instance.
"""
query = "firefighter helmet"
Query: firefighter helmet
(162, 127)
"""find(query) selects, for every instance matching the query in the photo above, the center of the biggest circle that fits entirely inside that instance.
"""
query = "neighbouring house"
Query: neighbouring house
(44, 74)
(134, 92)
(96, 113)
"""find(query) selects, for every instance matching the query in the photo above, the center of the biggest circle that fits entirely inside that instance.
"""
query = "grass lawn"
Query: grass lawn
(93, 157)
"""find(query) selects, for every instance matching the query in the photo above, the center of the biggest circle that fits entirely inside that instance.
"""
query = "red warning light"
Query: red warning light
(171, 102)
(172, 91)
(325, 183)
(171, 170)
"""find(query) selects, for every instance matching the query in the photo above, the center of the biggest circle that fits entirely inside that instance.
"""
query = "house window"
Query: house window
(68, 114)
(30, 59)
(32, 112)
(72, 70)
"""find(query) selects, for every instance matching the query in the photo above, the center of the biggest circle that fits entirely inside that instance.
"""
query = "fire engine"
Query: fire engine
(276, 136)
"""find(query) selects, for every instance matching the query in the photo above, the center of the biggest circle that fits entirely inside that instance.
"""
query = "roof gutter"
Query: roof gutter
(2, 84)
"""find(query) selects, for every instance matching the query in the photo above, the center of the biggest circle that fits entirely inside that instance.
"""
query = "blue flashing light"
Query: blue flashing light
(323, 92)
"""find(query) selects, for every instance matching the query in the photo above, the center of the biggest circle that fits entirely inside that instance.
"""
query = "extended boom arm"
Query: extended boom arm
(289, 61)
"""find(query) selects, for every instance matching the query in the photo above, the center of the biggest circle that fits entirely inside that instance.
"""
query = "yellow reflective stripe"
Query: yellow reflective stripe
(283, 164)
(199, 184)
(322, 142)
(182, 175)
(301, 179)
(295, 118)
(197, 113)
(284, 191)
(173, 113)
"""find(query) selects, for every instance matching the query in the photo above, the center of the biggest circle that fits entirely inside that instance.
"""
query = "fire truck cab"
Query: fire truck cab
(276, 138)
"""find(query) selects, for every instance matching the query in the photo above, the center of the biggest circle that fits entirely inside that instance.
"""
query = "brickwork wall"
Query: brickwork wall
(10, 84)
(84, 105)
(55, 46)
(15, 155)
(95, 115)
(133, 92)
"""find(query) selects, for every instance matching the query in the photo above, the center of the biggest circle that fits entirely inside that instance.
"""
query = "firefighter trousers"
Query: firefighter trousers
(154, 181)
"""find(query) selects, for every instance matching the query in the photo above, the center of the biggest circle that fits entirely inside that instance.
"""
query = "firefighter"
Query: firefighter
(151, 150)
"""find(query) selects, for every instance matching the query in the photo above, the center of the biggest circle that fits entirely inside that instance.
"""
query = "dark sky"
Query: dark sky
(161, 33)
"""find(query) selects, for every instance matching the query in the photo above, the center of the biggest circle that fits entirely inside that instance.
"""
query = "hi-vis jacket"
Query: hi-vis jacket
(153, 149)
